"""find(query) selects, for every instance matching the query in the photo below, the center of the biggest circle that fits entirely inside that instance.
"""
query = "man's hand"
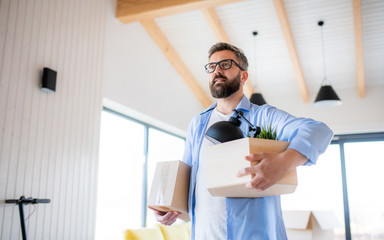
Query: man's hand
(166, 218)
(270, 167)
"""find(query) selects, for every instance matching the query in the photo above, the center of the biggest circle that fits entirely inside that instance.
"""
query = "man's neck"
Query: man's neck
(226, 105)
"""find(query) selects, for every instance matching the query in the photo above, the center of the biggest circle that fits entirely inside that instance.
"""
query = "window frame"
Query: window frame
(146, 126)
(341, 140)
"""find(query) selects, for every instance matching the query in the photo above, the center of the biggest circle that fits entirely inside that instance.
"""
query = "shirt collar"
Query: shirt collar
(244, 105)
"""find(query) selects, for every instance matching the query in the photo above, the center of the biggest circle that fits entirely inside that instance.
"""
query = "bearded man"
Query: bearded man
(243, 218)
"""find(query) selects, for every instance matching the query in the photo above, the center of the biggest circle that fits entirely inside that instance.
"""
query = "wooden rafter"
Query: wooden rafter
(218, 30)
(357, 17)
(286, 29)
(162, 42)
(146, 10)
(137, 10)
(215, 24)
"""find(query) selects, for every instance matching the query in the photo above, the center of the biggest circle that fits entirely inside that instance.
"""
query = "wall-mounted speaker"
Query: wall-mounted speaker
(49, 80)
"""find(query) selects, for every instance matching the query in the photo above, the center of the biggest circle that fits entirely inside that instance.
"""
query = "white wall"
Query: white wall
(49, 141)
(355, 115)
(138, 76)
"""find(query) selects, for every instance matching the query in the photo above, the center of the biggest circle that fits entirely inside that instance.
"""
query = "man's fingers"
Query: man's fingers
(157, 211)
(249, 170)
(255, 157)
(260, 182)
(169, 218)
(246, 171)
(172, 218)
(260, 186)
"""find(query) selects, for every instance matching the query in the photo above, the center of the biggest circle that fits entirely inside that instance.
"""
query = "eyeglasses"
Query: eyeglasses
(223, 64)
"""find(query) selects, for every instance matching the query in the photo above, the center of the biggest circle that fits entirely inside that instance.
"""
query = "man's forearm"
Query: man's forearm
(294, 158)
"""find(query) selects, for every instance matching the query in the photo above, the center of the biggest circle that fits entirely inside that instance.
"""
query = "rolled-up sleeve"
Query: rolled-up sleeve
(307, 136)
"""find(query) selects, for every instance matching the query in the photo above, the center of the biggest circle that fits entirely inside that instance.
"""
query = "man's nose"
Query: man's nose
(217, 69)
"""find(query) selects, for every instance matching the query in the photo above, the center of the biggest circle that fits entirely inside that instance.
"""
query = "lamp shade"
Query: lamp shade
(257, 99)
(327, 97)
(224, 131)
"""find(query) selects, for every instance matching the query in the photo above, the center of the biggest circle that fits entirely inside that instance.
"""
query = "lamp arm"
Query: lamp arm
(253, 131)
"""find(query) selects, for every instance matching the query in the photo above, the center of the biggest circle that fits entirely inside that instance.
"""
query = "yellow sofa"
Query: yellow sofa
(179, 231)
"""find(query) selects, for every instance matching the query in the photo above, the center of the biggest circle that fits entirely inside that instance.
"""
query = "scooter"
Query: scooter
(21, 202)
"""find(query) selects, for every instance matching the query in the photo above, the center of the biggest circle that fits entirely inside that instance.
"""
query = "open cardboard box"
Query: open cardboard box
(310, 225)
(226, 159)
(170, 188)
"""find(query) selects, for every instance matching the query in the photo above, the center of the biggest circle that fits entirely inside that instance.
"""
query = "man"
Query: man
(244, 218)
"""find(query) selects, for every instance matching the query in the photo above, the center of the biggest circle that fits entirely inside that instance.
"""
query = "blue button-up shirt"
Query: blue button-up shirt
(257, 218)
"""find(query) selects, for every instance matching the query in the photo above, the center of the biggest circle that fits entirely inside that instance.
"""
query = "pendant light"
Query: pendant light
(326, 97)
(256, 97)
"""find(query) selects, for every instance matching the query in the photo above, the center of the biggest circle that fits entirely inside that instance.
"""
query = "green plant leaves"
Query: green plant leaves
(267, 133)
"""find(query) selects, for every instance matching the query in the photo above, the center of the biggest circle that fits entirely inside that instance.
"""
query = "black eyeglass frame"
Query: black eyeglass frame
(218, 63)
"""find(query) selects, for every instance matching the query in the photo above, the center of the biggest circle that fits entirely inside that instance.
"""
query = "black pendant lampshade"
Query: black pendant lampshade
(257, 99)
(327, 97)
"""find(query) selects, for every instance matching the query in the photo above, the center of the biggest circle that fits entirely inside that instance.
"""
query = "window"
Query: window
(162, 147)
(364, 163)
(129, 151)
(320, 188)
(347, 180)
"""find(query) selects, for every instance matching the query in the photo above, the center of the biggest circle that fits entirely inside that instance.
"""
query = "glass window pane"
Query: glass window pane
(320, 188)
(364, 165)
(162, 147)
(121, 161)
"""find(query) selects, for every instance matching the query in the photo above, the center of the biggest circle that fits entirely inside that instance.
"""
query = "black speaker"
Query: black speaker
(49, 80)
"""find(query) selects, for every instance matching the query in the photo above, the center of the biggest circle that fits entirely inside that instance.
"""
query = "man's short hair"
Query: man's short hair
(220, 46)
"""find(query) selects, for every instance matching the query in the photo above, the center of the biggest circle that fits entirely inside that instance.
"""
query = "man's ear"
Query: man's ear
(244, 76)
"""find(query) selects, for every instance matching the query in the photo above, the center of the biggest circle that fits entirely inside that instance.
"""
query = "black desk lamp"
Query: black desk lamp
(225, 131)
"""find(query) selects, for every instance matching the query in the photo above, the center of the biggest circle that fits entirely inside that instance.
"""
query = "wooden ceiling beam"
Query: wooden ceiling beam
(215, 24)
(358, 25)
(136, 10)
(286, 29)
(219, 32)
(162, 42)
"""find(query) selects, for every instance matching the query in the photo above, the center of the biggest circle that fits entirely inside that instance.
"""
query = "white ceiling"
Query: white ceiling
(133, 72)
(191, 37)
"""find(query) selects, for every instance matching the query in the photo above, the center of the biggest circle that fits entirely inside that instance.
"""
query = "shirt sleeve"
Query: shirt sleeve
(187, 156)
(307, 136)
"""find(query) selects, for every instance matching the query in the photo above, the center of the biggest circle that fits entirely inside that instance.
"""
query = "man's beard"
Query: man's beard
(225, 89)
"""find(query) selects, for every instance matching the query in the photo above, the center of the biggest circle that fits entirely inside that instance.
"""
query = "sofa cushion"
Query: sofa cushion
(144, 234)
(176, 231)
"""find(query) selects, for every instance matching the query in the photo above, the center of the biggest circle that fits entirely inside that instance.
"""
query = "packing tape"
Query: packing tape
(161, 191)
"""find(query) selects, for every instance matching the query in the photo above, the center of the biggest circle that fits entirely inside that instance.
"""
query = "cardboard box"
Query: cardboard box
(226, 159)
(170, 188)
(310, 225)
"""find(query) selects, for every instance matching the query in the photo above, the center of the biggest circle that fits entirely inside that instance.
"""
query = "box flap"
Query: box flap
(301, 219)
(296, 219)
(326, 219)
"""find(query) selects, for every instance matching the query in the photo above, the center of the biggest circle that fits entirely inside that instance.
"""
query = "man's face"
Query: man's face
(223, 83)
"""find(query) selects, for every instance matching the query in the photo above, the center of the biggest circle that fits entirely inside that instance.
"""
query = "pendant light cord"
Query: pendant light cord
(254, 33)
(324, 81)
